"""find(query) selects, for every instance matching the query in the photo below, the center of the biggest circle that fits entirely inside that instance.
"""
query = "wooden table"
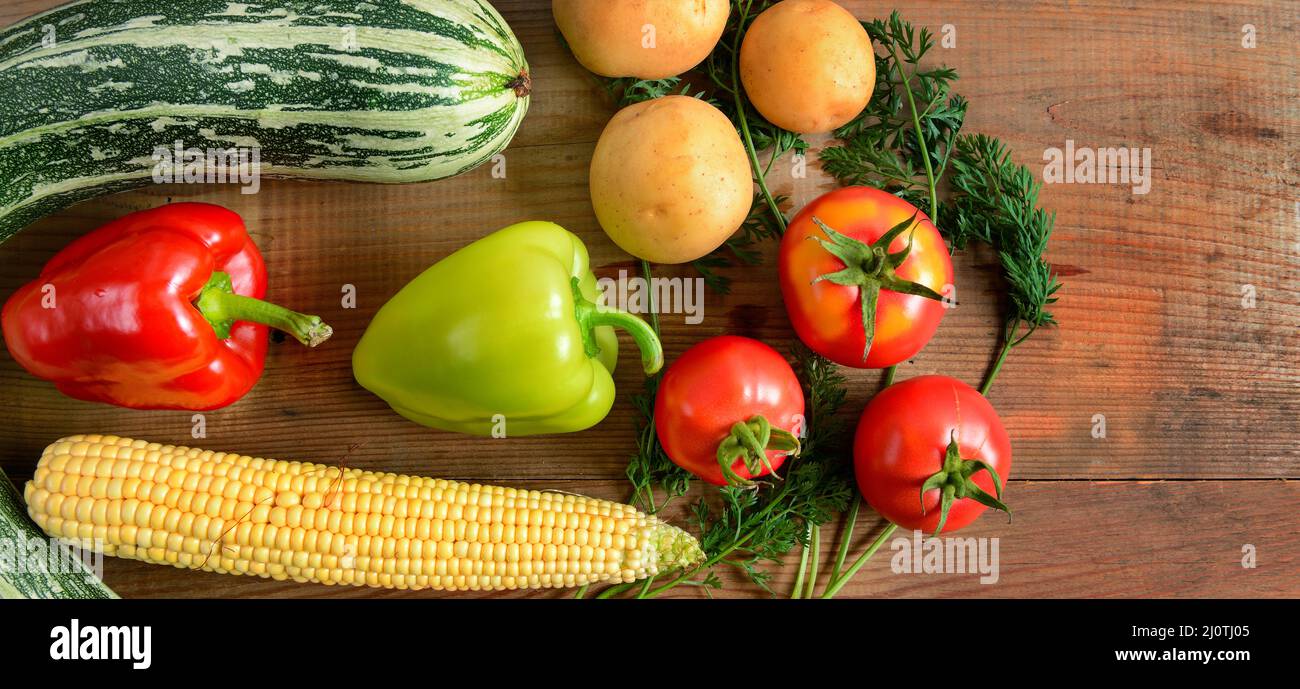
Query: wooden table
(1200, 394)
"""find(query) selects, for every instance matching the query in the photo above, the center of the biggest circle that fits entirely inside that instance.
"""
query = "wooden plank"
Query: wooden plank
(1068, 539)
(1154, 335)
(1180, 399)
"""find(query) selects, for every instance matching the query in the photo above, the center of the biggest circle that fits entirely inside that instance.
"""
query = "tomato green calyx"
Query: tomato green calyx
(954, 482)
(870, 268)
(221, 307)
(750, 441)
(591, 316)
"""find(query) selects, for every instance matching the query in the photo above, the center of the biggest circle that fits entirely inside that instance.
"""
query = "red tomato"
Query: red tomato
(903, 439)
(714, 395)
(828, 316)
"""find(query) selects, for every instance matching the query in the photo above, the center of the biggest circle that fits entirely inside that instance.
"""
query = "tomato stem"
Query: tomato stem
(954, 482)
(871, 268)
(834, 587)
(889, 376)
(749, 442)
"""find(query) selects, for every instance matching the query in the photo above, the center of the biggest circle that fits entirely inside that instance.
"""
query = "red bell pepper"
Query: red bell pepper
(160, 309)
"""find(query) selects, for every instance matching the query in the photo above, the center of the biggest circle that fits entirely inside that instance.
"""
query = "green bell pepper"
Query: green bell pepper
(506, 337)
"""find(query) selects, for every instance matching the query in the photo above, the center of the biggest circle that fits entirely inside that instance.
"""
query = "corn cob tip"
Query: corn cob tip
(675, 548)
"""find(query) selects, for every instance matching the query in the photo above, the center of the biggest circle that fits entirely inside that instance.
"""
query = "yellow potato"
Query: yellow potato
(646, 39)
(807, 65)
(670, 180)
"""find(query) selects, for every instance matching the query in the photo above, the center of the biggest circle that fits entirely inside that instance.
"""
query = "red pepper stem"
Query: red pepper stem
(591, 316)
(221, 307)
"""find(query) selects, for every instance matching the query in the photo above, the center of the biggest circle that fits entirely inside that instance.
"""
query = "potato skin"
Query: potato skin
(606, 35)
(808, 65)
(670, 179)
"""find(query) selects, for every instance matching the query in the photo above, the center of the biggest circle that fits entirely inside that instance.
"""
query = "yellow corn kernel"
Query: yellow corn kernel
(236, 514)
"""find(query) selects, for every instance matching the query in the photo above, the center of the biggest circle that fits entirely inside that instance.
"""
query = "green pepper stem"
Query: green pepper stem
(221, 307)
(591, 316)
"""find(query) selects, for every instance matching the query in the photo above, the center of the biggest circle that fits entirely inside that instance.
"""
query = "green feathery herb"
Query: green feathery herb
(629, 90)
(743, 248)
(997, 203)
(650, 466)
(722, 68)
(909, 137)
(903, 141)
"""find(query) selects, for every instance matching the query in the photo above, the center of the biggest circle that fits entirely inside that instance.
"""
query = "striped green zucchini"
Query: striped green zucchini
(18, 578)
(375, 91)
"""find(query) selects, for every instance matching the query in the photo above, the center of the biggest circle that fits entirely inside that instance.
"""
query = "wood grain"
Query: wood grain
(1199, 394)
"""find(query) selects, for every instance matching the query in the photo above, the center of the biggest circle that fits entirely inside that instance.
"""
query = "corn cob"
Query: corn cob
(236, 514)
